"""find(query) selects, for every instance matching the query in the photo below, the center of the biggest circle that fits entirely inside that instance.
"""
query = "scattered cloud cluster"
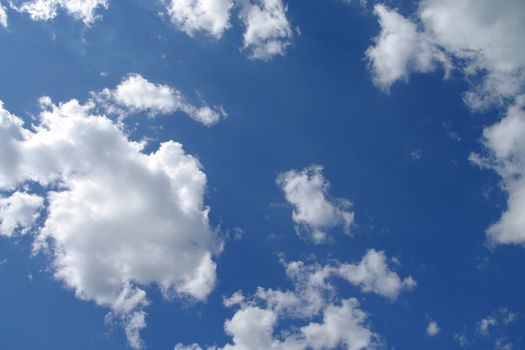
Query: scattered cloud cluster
(103, 194)
(490, 329)
(482, 39)
(268, 31)
(343, 324)
(313, 212)
(500, 317)
(84, 10)
(136, 94)
(252, 327)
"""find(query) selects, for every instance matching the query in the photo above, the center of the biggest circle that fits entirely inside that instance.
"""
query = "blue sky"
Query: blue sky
(262, 174)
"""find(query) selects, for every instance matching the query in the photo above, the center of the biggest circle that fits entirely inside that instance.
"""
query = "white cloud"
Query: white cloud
(118, 219)
(373, 274)
(505, 142)
(342, 325)
(432, 329)
(84, 10)
(268, 30)
(191, 16)
(3, 16)
(400, 49)
(19, 211)
(484, 38)
(341, 322)
(306, 191)
(136, 94)
(133, 325)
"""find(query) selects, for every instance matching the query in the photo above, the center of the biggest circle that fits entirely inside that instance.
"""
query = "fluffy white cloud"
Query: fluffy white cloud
(19, 211)
(432, 329)
(484, 38)
(342, 326)
(253, 328)
(342, 323)
(117, 219)
(505, 142)
(268, 31)
(306, 191)
(373, 274)
(400, 49)
(136, 94)
(3, 16)
(84, 10)
(191, 16)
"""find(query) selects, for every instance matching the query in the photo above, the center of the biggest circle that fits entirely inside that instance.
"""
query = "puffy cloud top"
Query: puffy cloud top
(211, 16)
(117, 219)
(307, 192)
(84, 10)
(137, 94)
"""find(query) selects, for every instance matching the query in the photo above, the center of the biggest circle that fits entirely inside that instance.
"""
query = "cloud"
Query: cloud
(313, 213)
(315, 314)
(210, 16)
(84, 10)
(400, 49)
(505, 143)
(432, 329)
(502, 344)
(461, 339)
(490, 328)
(118, 220)
(19, 211)
(253, 328)
(501, 317)
(372, 274)
(3, 16)
(136, 94)
(480, 38)
(268, 31)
